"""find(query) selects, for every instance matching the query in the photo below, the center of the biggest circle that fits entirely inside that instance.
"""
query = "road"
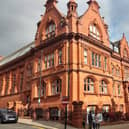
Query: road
(17, 126)
(121, 126)
(22, 126)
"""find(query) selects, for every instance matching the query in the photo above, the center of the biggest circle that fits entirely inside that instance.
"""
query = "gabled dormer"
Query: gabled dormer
(52, 23)
(93, 25)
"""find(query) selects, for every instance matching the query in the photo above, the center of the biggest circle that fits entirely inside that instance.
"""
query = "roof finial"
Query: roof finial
(123, 35)
(93, 2)
(50, 1)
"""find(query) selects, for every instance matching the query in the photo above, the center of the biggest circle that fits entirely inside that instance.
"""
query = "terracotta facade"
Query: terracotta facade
(71, 56)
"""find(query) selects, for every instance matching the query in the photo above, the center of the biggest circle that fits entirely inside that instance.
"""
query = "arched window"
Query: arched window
(94, 32)
(30, 69)
(56, 86)
(103, 87)
(118, 71)
(50, 30)
(89, 85)
(119, 89)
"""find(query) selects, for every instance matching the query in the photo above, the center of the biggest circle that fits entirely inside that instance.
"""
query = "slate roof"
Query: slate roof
(17, 54)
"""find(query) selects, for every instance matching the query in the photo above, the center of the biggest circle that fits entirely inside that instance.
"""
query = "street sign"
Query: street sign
(65, 100)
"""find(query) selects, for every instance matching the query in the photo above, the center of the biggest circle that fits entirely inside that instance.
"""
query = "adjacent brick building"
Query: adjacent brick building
(71, 56)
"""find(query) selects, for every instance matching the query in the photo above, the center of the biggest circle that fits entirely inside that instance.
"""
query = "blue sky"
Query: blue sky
(18, 20)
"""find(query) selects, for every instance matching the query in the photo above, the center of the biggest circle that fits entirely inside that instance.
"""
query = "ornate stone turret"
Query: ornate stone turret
(50, 3)
(72, 8)
(93, 4)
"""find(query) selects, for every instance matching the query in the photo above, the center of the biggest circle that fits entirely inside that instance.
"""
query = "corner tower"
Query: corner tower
(72, 15)
(49, 4)
(72, 8)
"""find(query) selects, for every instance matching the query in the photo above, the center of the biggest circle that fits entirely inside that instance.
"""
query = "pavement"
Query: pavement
(57, 125)
(44, 124)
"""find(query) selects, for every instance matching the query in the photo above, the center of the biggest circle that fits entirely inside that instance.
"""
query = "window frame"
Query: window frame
(96, 60)
(49, 60)
(56, 87)
(119, 89)
(103, 87)
(51, 29)
(85, 55)
(89, 85)
(94, 31)
(60, 56)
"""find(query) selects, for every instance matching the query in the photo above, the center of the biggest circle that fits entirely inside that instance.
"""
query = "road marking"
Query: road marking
(38, 127)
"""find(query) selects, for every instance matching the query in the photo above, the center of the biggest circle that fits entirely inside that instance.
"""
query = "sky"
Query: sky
(18, 20)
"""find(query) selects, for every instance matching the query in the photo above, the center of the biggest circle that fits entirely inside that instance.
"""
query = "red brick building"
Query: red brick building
(71, 56)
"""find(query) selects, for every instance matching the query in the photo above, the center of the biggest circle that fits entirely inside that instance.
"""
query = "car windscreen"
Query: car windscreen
(3, 110)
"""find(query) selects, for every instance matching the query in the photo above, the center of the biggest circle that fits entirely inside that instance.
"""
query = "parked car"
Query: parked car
(7, 115)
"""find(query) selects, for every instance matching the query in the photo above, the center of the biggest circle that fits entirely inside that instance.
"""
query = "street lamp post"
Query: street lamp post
(40, 83)
(65, 102)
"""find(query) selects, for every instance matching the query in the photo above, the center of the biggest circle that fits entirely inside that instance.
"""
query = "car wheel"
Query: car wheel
(0, 120)
(15, 121)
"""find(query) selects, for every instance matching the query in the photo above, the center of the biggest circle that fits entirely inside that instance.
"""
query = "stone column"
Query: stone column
(77, 117)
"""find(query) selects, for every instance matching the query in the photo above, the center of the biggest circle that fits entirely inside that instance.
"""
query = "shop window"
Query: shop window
(89, 85)
(105, 108)
(91, 108)
(54, 113)
(121, 108)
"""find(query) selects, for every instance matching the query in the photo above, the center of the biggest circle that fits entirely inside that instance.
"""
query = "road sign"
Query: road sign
(65, 100)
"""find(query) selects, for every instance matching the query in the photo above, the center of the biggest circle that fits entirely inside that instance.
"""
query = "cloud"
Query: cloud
(18, 19)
